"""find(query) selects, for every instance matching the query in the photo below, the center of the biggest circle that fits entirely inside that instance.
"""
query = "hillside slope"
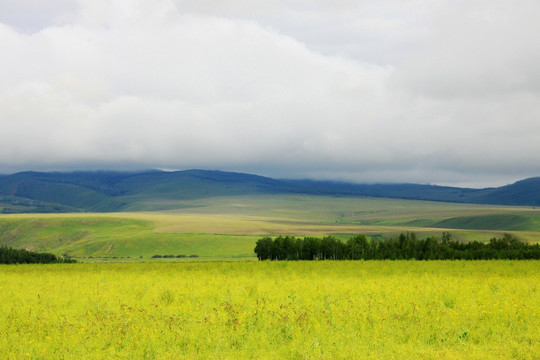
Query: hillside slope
(151, 190)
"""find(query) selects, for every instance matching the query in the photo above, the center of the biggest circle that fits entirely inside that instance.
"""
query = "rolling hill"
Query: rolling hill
(106, 191)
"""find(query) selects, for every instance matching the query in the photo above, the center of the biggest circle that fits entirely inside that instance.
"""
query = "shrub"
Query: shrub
(9, 255)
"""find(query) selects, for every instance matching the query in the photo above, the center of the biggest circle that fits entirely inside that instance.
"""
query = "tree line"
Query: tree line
(405, 246)
(9, 255)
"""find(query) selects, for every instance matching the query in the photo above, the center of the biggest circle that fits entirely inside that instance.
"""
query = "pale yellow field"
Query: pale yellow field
(262, 310)
(243, 224)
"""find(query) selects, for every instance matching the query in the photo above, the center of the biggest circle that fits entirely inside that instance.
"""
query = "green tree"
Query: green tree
(357, 247)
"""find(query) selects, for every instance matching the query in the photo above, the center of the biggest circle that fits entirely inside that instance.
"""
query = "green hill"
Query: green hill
(507, 222)
(155, 190)
(227, 227)
(114, 237)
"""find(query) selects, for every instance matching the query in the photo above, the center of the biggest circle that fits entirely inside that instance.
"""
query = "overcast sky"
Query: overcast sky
(439, 91)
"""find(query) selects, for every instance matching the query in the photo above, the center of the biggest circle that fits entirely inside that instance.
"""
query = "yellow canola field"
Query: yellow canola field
(270, 310)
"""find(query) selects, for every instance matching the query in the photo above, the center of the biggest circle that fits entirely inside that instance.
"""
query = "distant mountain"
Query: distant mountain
(523, 192)
(105, 191)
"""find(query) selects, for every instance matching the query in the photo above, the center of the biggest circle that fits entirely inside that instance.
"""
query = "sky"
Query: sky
(440, 91)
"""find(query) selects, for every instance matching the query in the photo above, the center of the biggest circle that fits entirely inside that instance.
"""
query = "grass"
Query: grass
(264, 310)
(103, 236)
(227, 227)
(508, 222)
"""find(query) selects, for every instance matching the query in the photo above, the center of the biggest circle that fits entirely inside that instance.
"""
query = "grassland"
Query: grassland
(263, 310)
(227, 227)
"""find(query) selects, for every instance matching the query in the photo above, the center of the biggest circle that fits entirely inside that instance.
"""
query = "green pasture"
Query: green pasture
(227, 227)
(106, 237)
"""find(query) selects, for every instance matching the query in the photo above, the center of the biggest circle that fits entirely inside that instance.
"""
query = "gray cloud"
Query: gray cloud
(359, 91)
(29, 16)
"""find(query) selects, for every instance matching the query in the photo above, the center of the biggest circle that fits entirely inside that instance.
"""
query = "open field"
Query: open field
(293, 310)
(227, 227)
(288, 310)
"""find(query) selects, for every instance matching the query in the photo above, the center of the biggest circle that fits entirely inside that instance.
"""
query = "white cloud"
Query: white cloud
(360, 91)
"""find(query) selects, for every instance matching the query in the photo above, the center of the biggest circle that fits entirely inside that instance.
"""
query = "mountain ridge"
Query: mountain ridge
(109, 191)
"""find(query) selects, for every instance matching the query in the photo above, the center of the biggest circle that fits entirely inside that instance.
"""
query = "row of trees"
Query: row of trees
(406, 246)
(9, 255)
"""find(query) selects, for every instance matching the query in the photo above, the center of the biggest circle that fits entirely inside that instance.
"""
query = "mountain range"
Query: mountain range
(108, 191)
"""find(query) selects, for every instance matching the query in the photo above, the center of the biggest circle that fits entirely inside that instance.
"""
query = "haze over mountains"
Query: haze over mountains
(154, 190)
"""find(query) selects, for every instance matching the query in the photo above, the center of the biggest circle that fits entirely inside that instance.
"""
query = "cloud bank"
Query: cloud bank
(419, 91)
